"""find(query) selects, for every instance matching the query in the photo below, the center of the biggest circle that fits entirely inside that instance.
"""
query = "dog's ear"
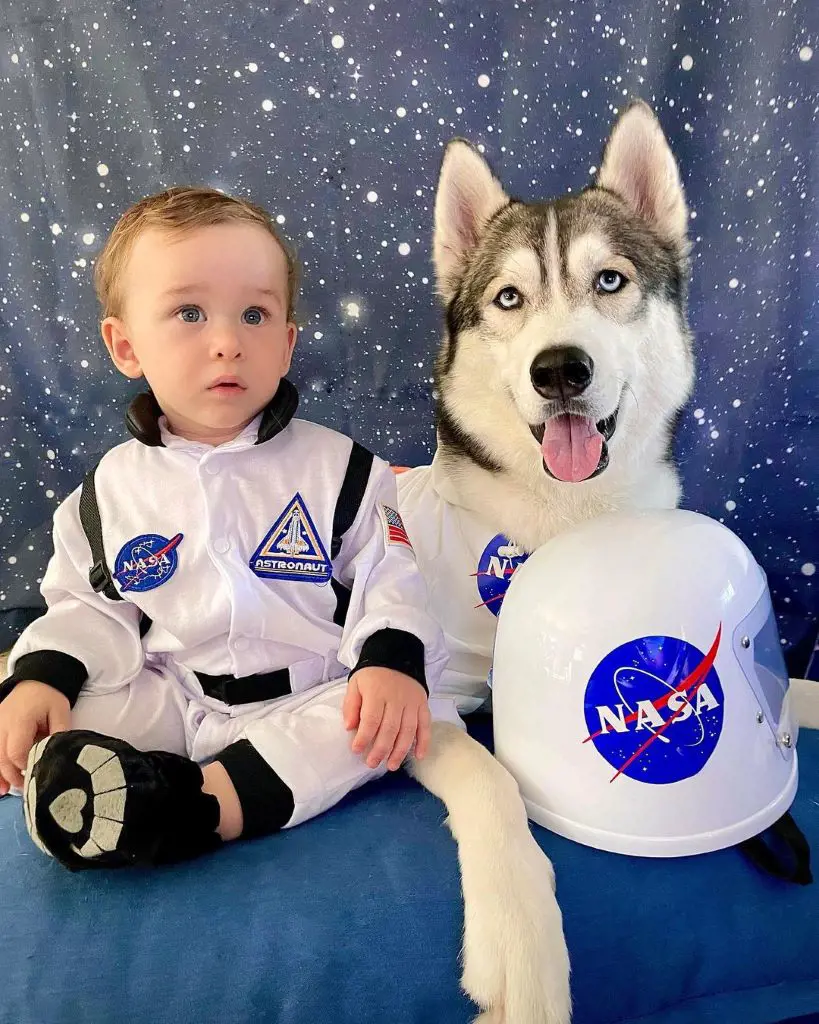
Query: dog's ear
(468, 195)
(639, 166)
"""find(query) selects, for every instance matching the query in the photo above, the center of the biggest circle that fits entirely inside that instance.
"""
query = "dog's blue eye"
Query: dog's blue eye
(610, 281)
(508, 298)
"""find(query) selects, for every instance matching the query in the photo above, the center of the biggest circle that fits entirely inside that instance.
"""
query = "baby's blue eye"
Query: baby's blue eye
(190, 314)
(253, 316)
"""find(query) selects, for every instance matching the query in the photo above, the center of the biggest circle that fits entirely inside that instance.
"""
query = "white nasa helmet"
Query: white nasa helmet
(639, 688)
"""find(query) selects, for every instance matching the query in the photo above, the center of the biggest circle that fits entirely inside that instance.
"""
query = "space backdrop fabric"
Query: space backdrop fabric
(333, 115)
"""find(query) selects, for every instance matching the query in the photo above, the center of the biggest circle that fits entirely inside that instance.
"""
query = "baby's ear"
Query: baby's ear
(115, 336)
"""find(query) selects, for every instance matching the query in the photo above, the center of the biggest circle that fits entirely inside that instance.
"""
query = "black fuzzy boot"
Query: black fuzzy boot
(92, 801)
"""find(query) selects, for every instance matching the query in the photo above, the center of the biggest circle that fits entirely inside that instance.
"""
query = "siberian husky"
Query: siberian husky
(565, 362)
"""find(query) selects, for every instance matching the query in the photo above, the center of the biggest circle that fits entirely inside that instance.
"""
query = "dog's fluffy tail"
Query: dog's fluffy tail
(516, 966)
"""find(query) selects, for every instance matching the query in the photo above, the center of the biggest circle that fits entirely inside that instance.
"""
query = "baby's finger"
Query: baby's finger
(20, 741)
(10, 774)
(371, 716)
(5, 785)
(385, 740)
(424, 733)
(404, 739)
(352, 706)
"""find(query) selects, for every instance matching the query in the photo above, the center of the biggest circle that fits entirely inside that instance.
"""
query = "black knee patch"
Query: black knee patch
(267, 802)
(95, 801)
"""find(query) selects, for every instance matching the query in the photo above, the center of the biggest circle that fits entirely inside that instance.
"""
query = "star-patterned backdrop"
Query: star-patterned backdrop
(334, 115)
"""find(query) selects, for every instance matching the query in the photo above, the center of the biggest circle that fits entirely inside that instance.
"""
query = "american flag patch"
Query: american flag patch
(394, 531)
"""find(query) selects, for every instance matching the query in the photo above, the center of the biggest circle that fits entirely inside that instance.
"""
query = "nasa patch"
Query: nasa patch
(654, 709)
(292, 549)
(146, 562)
(496, 567)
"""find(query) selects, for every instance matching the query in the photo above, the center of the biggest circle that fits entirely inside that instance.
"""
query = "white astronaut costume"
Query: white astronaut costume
(257, 612)
(467, 566)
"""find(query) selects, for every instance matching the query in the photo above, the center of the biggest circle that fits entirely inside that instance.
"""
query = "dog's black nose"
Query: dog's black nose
(561, 373)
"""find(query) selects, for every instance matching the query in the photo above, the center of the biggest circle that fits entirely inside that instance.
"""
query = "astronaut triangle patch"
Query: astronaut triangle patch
(292, 549)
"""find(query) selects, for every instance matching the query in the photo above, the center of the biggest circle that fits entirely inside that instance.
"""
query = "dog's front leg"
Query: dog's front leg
(516, 966)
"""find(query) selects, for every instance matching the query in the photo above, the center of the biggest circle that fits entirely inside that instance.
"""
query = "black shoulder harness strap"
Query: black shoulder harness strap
(99, 575)
(356, 478)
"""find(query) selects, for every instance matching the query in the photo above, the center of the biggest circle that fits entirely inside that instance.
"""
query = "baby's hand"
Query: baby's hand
(30, 711)
(390, 712)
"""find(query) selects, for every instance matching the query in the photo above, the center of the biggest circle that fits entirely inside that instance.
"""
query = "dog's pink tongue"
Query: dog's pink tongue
(571, 447)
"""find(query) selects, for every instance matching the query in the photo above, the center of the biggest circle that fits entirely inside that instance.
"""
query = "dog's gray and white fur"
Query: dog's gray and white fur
(632, 221)
(535, 293)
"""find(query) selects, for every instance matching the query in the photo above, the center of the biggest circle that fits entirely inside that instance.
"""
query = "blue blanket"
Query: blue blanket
(356, 916)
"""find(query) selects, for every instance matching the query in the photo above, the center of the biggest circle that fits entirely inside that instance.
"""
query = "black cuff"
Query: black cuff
(396, 649)
(61, 671)
(267, 802)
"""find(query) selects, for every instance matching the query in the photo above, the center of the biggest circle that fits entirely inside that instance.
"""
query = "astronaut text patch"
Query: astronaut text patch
(292, 549)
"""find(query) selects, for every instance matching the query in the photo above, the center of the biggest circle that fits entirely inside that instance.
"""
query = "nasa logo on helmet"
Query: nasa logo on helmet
(654, 708)
(496, 567)
(640, 692)
(146, 562)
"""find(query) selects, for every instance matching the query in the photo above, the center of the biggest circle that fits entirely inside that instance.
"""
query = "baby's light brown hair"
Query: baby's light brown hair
(177, 210)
